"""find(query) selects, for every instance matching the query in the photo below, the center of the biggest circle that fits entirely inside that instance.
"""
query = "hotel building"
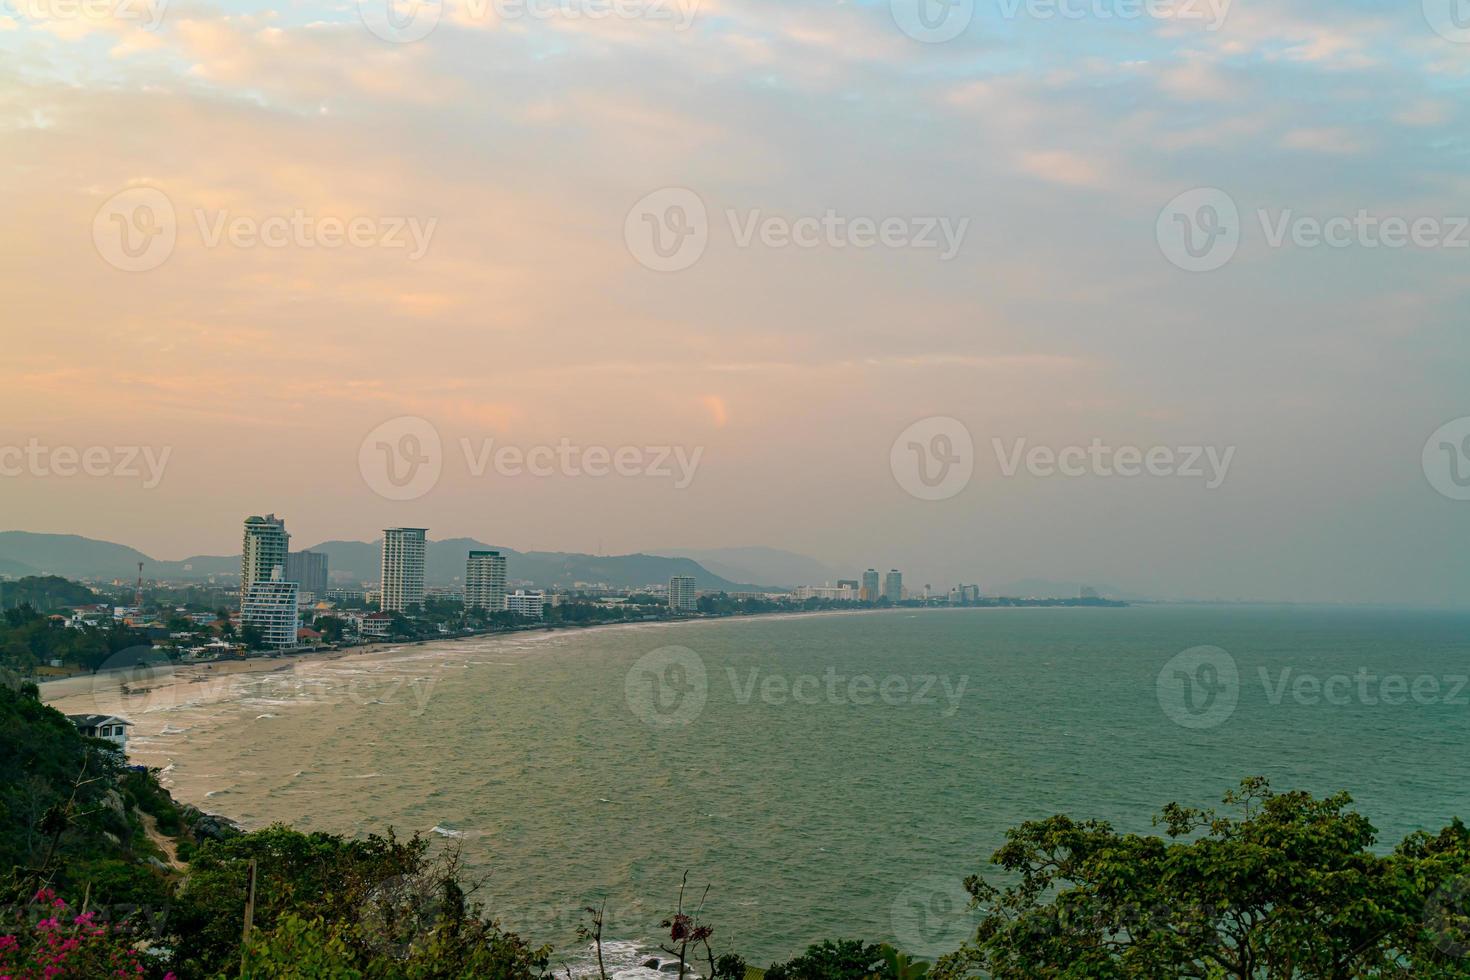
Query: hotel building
(402, 568)
(484, 581)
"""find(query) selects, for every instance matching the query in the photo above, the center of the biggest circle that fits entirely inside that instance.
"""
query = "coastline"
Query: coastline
(154, 697)
(57, 689)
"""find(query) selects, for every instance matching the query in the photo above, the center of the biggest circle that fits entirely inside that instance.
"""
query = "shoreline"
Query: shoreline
(150, 694)
(62, 687)
(149, 701)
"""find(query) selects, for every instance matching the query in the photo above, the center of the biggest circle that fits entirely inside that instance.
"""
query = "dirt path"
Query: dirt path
(163, 842)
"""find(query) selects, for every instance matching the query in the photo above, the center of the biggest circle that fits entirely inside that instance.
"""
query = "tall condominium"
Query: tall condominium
(869, 591)
(681, 594)
(308, 569)
(484, 581)
(893, 585)
(263, 551)
(403, 568)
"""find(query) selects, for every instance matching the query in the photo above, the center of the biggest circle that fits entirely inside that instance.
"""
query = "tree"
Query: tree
(1290, 888)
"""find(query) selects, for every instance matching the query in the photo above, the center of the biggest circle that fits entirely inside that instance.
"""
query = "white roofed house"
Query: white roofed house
(109, 727)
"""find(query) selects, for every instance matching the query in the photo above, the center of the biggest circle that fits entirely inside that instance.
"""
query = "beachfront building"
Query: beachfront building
(263, 550)
(869, 591)
(271, 607)
(682, 597)
(484, 581)
(893, 585)
(527, 605)
(402, 568)
(109, 727)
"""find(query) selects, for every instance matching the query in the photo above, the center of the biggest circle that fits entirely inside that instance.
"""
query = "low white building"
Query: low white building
(109, 727)
(529, 605)
(839, 593)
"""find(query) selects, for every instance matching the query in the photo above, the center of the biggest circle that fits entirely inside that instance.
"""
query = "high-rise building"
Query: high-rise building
(530, 605)
(682, 597)
(893, 585)
(308, 569)
(270, 606)
(869, 591)
(484, 581)
(263, 551)
(402, 568)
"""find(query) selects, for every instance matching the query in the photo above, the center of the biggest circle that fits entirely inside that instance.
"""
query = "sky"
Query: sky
(908, 284)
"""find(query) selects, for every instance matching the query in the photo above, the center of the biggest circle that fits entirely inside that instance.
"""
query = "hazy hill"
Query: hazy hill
(23, 553)
(445, 563)
(773, 566)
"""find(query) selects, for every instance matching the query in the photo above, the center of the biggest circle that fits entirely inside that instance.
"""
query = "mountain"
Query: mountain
(24, 553)
(770, 565)
(444, 563)
(70, 555)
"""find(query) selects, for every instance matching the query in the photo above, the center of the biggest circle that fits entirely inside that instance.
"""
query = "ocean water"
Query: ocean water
(824, 776)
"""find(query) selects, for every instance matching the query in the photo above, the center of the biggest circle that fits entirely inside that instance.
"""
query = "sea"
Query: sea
(799, 778)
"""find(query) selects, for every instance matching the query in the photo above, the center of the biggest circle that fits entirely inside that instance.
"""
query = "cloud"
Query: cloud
(1332, 140)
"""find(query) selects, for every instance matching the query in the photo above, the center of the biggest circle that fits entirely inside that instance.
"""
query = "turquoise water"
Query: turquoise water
(569, 784)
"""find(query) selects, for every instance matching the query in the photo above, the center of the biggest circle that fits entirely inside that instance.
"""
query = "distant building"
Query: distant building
(964, 595)
(377, 625)
(308, 569)
(850, 583)
(484, 581)
(893, 585)
(682, 597)
(271, 607)
(869, 591)
(346, 595)
(263, 551)
(529, 605)
(842, 592)
(109, 727)
(402, 568)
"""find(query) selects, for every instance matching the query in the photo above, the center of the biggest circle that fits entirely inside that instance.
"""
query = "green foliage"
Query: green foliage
(386, 906)
(845, 959)
(59, 800)
(1289, 888)
(48, 593)
(29, 639)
